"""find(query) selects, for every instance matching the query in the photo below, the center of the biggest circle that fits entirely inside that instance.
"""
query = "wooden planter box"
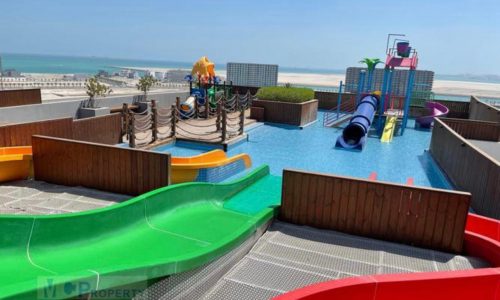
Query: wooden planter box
(298, 114)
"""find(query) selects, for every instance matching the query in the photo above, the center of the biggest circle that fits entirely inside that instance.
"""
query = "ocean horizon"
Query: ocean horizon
(63, 64)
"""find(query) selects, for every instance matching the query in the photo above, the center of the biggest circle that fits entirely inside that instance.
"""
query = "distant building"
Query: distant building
(176, 75)
(102, 73)
(255, 75)
(133, 75)
(11, 73)
(422, 86)
(159, 75)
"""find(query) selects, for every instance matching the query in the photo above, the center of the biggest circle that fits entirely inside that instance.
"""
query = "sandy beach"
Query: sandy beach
(448, 87)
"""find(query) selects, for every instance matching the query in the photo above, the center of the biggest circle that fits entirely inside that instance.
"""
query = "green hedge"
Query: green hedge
(285, 94)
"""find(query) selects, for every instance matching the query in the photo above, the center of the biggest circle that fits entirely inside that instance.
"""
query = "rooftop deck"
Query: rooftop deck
(38, 197)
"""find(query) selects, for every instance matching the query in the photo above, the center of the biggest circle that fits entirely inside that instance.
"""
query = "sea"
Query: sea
(59, 64)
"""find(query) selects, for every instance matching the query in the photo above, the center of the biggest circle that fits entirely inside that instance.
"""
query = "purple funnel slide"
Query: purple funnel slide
(435, 110)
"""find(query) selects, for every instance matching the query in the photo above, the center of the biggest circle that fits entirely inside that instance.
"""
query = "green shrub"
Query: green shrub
(285, 94)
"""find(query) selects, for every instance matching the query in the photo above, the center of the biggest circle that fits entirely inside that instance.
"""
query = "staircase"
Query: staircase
(339, 115)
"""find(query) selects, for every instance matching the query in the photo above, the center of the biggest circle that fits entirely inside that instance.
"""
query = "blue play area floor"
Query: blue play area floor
(313, 149)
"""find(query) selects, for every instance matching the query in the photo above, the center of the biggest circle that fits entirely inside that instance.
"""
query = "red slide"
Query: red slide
(482, 239)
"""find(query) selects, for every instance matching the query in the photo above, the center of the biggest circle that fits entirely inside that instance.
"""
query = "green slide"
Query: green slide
(166, 231)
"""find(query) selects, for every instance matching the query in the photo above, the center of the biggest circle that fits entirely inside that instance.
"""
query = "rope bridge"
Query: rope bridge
(225, 120)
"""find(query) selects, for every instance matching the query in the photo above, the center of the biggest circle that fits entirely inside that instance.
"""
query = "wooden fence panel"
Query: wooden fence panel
(418, 216)
(468, 168)
(474, 129)
(483, 111)
(20, 134)
(104, 129)
(20, 97)
(108, 168)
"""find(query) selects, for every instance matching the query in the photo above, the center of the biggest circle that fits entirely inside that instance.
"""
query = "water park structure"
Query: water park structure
(202, 100)
(301, 221)
(391, 110)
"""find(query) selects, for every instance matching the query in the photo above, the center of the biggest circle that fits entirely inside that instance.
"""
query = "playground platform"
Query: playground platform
(39, 198)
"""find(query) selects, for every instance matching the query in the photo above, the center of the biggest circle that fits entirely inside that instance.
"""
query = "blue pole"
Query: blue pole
(409, 90)
(389, 86)
(382, 99)
(361, 83)
(339, 99)
(384, 90)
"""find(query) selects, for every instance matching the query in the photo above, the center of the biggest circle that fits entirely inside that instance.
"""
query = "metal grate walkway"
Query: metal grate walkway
(288, 256)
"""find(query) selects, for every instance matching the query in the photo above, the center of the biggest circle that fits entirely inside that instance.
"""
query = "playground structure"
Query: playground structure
(391, 113)
(208, 90)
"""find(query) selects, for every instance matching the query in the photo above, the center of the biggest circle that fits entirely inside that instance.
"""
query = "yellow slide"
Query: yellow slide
(390, 126)
(213, 166)
(15, 163)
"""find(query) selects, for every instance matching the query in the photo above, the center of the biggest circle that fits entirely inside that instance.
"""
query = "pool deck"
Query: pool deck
(488, 147)
(37, 197)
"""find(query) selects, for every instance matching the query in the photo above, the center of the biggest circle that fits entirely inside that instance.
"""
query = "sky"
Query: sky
(451, 36)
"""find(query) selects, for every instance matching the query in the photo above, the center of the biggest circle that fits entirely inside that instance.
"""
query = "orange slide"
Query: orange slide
(15, 163)
(198, 168)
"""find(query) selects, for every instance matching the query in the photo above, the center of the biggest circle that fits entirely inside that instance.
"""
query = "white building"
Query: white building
(254, 75)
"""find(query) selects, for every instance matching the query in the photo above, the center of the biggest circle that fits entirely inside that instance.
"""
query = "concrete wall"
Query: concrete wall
(69, 108)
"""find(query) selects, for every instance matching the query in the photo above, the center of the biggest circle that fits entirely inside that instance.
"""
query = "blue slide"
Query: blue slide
(354, 135)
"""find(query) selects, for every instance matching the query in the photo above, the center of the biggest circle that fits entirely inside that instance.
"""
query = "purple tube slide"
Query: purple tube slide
(354, 134)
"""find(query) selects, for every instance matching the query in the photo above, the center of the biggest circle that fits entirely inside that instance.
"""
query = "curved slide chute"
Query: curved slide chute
(354, 134)
(435, 110)
(212, 166)
(165, 231)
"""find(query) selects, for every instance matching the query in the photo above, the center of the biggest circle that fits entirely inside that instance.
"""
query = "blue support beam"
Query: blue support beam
(339, 99)
(409, 90)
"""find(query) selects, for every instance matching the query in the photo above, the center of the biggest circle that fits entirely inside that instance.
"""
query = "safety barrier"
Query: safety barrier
(209, 123)
(393, 212)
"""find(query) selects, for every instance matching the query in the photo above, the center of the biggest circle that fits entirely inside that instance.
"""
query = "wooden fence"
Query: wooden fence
(20, 134)
(119, 170)
(20, 97)
(105, 129)
(468, 168)
(423, 217)
(483, 111)
(474, 129)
